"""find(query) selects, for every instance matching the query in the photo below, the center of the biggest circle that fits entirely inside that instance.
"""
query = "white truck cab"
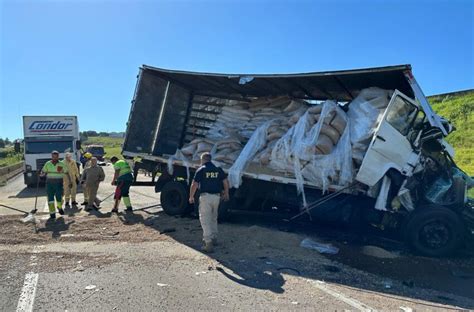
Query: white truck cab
(44, 134)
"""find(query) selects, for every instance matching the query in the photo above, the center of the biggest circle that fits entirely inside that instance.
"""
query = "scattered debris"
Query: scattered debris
(289, 269)
(79, 268)
(406, 309)
(387, 283)
(161, 285)
(202, 272)
(90, 287)
(67, 235)
(378, 252)
(321, 248)
(294, 302)
(269, 262)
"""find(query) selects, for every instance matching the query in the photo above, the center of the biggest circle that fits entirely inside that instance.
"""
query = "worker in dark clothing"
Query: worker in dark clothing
(213, 186)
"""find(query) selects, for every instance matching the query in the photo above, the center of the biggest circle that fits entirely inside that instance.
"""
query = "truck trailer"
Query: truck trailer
(44, 134)
(354, 146)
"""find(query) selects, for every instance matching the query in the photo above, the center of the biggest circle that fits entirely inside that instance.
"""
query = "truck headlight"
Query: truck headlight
(28, 168)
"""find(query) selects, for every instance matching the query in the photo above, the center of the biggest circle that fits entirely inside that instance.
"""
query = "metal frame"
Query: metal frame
(433, 118)
(137, 86)
(160, 117)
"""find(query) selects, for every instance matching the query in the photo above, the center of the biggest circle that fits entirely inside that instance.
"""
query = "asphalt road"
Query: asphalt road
(148, 261)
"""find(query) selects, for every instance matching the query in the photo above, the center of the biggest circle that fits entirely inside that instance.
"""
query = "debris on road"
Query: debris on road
(90, 287)
(321, 248)
(161, 285)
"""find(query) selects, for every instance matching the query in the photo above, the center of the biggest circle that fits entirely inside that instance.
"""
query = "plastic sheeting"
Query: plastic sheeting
(365, 112)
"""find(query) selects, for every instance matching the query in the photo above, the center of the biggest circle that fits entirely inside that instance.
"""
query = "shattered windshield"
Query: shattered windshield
(401, 114)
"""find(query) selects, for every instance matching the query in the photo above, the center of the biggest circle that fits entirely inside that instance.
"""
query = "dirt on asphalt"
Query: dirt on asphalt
(245, 248)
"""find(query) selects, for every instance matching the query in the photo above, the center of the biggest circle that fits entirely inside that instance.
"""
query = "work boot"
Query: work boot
(74, 203)
(207, 247)
(129, 209)
(84, 203)
(67, 206)
(115, 210)
(61, 211)
(52, 216)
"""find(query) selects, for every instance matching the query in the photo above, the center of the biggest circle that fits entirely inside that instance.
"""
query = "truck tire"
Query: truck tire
(434, 231)
(174, 198)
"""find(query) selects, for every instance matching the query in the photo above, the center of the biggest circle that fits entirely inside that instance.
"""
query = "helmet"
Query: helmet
(88, 155)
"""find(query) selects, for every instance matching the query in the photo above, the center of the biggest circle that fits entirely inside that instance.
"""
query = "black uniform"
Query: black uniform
(210, 178)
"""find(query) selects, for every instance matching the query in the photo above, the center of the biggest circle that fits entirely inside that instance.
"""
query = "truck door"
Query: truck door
(390, 147)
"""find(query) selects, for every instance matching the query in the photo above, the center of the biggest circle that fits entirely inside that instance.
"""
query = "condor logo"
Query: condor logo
(48, 126)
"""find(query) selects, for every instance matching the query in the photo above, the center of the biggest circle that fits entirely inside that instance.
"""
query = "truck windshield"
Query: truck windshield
(401, 115)
(48, 146)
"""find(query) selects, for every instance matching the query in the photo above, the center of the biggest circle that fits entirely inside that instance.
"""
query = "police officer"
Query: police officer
(212, 183)
(55, 171)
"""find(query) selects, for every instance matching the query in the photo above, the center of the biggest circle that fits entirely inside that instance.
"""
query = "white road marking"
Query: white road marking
(28, 292)
(352, 302)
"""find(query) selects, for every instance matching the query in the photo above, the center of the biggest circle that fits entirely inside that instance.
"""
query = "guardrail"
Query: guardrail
(10, 171)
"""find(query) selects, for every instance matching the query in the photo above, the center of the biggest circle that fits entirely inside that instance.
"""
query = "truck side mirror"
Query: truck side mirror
(17, 147)
(78, 145)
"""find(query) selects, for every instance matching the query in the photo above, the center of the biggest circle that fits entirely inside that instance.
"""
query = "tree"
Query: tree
(2, 143)
(7, 141)
(103, 134)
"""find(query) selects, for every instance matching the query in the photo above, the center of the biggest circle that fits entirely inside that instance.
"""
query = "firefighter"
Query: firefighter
(73, 172)
(86, 162)
(123, 179)
(91, 177)
(213, 186)
(55, 171)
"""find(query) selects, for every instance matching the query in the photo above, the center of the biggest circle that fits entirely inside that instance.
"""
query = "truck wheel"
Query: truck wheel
(434, 231)
(174, 198)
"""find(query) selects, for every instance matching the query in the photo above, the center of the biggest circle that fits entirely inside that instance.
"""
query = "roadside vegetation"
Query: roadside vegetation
(459, 109)
(9, 157)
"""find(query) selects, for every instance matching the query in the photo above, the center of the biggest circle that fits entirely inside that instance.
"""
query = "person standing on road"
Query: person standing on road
(123, 179)
(91, 178)
(55, 171)
(213, 186)
(73, 172)
(86, 163)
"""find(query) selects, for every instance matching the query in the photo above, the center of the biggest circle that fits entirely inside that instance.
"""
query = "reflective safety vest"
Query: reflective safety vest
(55, 171)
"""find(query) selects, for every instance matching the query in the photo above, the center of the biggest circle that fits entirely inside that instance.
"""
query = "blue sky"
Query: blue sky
(81, 57)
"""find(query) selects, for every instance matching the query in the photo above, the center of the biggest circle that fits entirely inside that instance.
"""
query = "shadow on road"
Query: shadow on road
(56, 226)
(258, 260)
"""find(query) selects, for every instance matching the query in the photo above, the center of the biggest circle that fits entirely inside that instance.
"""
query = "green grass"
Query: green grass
(112, 146)
(459, 109)
(8, 156)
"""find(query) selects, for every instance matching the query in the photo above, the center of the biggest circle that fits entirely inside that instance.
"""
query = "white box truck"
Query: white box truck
(44, 134)
(364, 147)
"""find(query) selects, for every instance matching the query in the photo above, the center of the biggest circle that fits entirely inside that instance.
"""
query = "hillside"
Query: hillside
(459, 109)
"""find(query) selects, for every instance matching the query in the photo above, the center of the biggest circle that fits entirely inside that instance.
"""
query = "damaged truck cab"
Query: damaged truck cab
(355, 146)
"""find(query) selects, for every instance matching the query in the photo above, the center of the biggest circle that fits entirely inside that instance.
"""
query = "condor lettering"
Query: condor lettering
(49, 125)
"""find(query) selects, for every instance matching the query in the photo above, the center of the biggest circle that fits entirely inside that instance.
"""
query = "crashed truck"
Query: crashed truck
(355, 146)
